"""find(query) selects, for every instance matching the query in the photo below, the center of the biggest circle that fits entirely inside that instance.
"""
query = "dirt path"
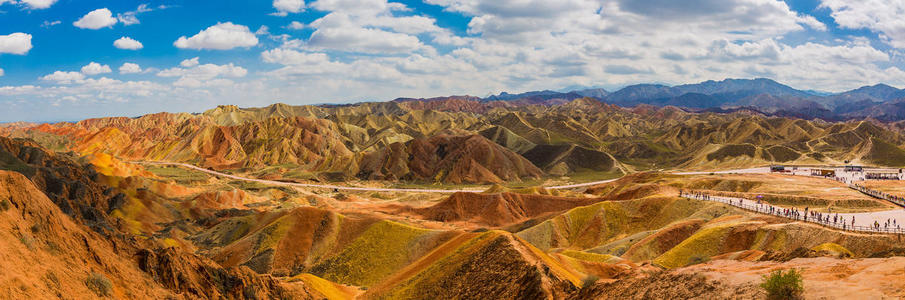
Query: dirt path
(863, 221)
(352, 188)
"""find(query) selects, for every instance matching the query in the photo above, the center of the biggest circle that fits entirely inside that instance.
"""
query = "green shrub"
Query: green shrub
(783, 285)
(99, 284)
(28, 241)
(4, 205)
(589, 280)
(698, 259)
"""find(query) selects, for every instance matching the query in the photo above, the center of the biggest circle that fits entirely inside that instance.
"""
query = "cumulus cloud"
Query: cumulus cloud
(96, 19)
(296, 25)
(194, 75)
(63, 77)
(131, 17)
(31, 4)
(292, 57)
(2, 72)
(375, 49)
(188, 63)
(205, 71)
(369, 26)
(129, 68)
(881, 16)
(127, 43)
(94, 68)
(358, 6)
(263, 30)
(39, 4)
(223, 36)
(367, 40)
(15, 43)
(285, 7)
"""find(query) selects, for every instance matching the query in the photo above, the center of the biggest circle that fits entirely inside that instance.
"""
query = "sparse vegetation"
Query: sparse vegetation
(180, 175)
(589, 281)
(885, 153)
(4, 205)
(99, 284)
(379, 251)
(731, 151)
(783, 285)
(28, 241)
(698, 259)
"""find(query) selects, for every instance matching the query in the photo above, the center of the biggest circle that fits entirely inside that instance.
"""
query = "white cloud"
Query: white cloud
(263, 30)
(94, 68)
(222, 36)
(131, 17)
(62, 77)
(193, 75)
(129, 68)
(15, 43)
(374, 49)
(127, 43)
(38, 4)
(358, 6)
(366, 40)
(881, 16)
(2, 72)
(188, 63)
(96, 19)
(371, 26)
(296, 25)
(205, 71)
(292, 57)
(48, 24)
(285, 7)
(378, 14)
(811, 22)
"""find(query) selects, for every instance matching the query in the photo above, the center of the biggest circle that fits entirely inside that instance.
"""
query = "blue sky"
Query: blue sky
(59, 60)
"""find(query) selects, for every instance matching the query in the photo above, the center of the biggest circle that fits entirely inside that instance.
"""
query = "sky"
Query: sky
(67, 60)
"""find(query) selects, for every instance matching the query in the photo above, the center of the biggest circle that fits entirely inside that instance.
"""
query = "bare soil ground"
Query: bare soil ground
(895, 187)
(796, 191)
(823, 277)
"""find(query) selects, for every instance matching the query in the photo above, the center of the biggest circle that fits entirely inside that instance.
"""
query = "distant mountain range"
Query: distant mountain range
(880, 101)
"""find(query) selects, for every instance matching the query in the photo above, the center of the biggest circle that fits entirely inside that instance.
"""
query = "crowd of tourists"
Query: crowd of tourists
(807, 215)
(898, 200)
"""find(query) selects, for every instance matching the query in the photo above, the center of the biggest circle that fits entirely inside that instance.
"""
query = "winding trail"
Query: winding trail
(863, 221)
(350, 188)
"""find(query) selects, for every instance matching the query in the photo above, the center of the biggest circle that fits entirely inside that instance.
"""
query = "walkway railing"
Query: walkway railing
(789, 213)
(878, 194)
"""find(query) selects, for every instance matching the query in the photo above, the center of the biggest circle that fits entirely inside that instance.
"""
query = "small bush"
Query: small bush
(783, 285)
(698, 259)
(589, 281)
(28, 241)
(4, 205)
(99, 284)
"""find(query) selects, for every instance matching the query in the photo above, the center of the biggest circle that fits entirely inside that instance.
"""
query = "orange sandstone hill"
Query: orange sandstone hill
(375, 140)
(498, 209)
(77, 262)
(448, 158)
(72, 230)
